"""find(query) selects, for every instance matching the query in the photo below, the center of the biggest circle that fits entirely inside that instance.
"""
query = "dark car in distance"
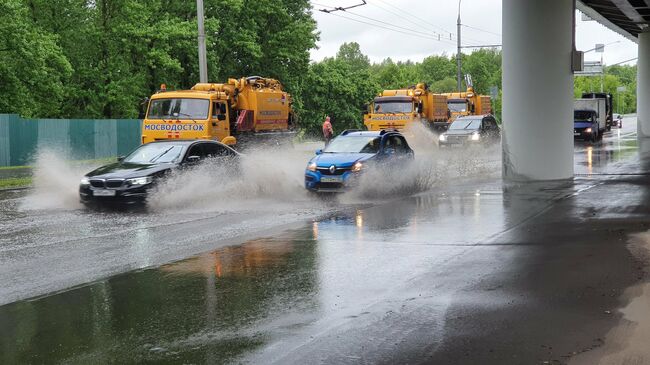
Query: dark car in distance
(130, 178)
(471, 130)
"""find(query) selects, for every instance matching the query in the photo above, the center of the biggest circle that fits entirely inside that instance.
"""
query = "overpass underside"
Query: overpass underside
(538, 54)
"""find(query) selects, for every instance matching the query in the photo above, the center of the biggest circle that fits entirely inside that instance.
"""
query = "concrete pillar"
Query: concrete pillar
(643, 86)
(537, 89)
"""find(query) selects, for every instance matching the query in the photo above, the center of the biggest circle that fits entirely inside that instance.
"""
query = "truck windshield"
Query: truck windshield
(156, 153)
(393, 107)
(353, 144)
(465, 124)
(458, 106)
(183, 108)
(582, 116)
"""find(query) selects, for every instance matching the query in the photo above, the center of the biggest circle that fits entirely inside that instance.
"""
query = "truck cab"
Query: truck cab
(395, 109)
(391, 112)
(585, 125)
(466, 103)
(187, 114)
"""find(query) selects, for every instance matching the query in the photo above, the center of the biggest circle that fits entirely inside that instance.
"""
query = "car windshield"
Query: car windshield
(353, 144)
(393, 107)
(582, 116)
(465, 124)
(457, 106)
(156, 153)
(179, 108)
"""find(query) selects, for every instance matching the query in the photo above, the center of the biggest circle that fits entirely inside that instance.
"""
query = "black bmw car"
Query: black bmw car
(129, 179)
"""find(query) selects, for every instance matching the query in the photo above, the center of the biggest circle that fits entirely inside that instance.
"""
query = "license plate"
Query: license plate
(576, 134)
(331, 179)
(104, 192)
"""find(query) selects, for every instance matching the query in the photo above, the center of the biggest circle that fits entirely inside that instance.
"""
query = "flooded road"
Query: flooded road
(469, 271)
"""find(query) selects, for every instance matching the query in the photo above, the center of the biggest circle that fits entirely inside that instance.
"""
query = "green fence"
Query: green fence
(78, 139)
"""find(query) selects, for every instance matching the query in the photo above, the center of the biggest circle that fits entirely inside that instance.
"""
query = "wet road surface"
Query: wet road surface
(472, 271)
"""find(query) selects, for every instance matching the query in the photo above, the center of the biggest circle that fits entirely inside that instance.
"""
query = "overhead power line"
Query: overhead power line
(414, 16)
(383, 27)
(363, 2)
(626, 61)
(433, 36)
(481, 30)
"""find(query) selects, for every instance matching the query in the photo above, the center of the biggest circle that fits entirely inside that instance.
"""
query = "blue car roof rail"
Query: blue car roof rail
(345, 132)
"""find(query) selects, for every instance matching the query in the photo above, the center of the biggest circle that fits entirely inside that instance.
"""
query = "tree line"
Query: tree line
(100, 58)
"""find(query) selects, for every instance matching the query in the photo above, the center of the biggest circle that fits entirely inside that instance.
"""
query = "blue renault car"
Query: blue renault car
(340, 164)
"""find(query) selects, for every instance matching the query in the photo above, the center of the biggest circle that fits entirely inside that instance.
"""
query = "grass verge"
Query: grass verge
(15, 182)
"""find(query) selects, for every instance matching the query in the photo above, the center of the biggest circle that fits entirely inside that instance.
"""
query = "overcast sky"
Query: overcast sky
(424, 21)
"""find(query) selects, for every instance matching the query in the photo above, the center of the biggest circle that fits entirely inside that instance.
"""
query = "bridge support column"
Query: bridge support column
(537, 89)
(643, 86)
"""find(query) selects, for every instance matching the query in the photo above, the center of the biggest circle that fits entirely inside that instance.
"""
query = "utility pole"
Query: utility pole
(203, 61)
(459, 74)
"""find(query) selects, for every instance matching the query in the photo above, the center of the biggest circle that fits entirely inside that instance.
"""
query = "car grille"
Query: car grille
(114, 183)
(97, 183)
(330, 185)
(456, 139)
(338, 171)
(101, 183)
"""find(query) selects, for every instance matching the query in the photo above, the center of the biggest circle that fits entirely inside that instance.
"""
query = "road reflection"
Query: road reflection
(207, 309)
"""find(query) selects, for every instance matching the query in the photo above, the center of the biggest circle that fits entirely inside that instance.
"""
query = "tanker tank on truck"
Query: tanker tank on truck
(395, 109)
(252, 108)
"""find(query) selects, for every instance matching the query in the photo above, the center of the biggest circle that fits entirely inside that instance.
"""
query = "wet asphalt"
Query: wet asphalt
(471, 271)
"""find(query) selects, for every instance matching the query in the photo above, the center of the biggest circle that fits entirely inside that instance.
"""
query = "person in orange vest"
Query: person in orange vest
(328, 131)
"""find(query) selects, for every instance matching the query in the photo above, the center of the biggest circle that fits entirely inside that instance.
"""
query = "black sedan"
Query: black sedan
(471, 130)
(129, 179)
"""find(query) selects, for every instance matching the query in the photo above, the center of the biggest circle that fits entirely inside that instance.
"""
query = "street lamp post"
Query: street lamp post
(459, 75)
(203, 62)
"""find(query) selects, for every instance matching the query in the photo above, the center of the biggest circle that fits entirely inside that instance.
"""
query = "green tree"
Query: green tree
(33, 68)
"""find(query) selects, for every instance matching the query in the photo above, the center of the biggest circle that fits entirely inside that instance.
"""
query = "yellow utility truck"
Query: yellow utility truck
(241, 108)
(395, 109)
(465, 103)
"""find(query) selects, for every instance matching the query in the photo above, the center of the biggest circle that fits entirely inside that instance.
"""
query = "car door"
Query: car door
(221, 156)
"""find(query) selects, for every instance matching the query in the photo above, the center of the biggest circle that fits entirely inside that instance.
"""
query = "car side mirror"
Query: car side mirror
(120, 158)
(193, 159)
(319, 151)
(221, 117)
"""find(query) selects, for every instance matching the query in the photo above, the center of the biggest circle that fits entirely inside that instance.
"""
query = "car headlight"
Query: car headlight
(588, 130)
(442, 138)
(476, 136)
(140, 180)
(312, 167)
(84, 181)
(357, 167)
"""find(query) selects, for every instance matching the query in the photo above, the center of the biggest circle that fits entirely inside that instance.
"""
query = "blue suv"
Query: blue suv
(339, 165)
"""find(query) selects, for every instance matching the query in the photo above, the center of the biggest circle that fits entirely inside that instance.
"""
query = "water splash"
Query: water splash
(55, 182)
